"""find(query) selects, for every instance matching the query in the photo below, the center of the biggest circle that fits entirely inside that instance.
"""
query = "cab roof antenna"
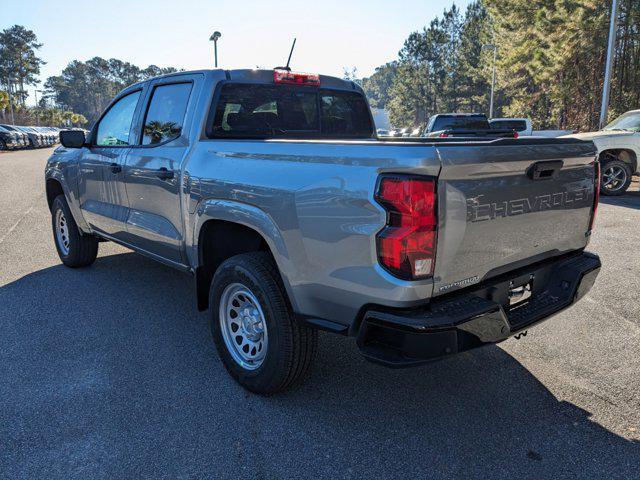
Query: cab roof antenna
(287, 68)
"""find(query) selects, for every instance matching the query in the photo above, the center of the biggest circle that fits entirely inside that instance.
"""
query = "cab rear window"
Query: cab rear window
(273, 111)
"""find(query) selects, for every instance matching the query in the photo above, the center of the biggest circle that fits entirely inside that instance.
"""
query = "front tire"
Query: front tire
(74, 249)
(261, 344)
(615, 177)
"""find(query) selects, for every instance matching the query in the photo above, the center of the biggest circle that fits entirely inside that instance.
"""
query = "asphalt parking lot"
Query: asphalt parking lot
(109, 372)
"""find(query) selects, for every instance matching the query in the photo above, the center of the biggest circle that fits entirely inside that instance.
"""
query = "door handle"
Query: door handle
(545, 170)
(115, 168)
(164, 174)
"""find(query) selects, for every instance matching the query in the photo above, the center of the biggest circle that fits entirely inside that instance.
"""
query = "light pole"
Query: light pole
(606, 87)
(493, 77)
(36, 91)
(13, 120)
(214, 38)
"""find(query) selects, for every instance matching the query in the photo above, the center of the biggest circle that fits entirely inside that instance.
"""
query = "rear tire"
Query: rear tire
(615, 176)
(261, 344)
(74, 249)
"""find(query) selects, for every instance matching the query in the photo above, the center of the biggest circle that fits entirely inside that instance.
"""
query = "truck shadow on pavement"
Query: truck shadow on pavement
(110, 372)
(628, 200)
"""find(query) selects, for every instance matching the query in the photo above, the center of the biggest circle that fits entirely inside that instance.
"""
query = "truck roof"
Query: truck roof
(249, 75)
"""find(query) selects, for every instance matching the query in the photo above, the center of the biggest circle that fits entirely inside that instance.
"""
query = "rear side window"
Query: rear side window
(517, 125)
(461, 122)
(267, 111)
(165, 117)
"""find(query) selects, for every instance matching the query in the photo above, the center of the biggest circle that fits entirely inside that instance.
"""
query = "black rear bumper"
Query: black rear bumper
(480, 316)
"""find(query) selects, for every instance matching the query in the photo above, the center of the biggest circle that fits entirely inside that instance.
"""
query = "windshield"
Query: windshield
(628, 121)
(460, 122)
(517, 125)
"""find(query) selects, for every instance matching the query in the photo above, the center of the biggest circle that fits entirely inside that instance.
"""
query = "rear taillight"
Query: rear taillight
(515, 135)
(294, 78)
(407, 244)
(596, 195)
(444, 135)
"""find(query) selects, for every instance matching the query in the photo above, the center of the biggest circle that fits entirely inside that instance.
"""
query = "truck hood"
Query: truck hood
(600, 134)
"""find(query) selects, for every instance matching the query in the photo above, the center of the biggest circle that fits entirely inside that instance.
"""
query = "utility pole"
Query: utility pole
(37, 113)
(606, 88)
(13, 120)
(493, 76)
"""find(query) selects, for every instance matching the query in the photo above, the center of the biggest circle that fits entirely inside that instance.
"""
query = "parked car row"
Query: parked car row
(13, 137)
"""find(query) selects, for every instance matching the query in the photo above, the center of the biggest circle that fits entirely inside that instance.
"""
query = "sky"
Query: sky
(331, 35)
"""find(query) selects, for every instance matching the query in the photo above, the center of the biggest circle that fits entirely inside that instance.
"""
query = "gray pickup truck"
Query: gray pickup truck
(271, 189)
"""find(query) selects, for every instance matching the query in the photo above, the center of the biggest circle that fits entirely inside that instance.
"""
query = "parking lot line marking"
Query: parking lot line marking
(22, 217)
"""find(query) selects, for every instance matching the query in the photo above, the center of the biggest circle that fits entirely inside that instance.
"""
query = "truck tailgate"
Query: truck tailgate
(508, 203)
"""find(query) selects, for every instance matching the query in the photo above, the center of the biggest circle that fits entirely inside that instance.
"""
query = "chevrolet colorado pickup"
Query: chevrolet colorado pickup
(271, 189)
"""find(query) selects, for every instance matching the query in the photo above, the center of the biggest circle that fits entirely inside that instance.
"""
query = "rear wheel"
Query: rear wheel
(74, 248)
(615, 177)
(260, 343)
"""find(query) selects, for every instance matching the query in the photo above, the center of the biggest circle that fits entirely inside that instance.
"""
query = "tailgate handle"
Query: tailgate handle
(545, 170)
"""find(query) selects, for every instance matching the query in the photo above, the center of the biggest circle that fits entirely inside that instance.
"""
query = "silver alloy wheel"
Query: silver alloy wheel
(614, 178)
(62, 232)
(243, 326)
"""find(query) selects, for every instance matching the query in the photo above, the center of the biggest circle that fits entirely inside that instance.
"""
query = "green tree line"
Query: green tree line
(88, 87)
(75, 97)
(550, 63)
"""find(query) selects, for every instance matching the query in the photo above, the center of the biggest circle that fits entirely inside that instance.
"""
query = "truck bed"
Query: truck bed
(319, 193)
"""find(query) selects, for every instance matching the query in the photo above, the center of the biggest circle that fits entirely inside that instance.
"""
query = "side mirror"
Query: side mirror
(72, 138)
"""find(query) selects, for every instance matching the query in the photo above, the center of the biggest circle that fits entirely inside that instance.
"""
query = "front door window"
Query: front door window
(115, 127)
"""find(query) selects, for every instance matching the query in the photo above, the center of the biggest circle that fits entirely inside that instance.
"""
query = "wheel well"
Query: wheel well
(625, 155)
(54, 188)
(219, 240)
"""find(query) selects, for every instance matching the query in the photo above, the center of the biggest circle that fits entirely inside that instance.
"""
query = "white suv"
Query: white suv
(619, 147)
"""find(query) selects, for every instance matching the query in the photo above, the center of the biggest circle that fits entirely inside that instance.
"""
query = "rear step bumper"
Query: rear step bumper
(460, 322)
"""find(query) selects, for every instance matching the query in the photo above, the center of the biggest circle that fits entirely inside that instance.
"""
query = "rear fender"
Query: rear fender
(251, 217)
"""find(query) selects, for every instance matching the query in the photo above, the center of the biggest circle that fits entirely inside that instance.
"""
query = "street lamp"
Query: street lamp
(214, 38)
(493, 79)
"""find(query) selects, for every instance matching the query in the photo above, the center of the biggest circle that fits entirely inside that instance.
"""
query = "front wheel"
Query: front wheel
(615, 177)
(74, 249)
(260, 343)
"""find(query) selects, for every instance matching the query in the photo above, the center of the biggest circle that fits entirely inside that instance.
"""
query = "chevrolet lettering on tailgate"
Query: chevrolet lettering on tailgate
(479, 212)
